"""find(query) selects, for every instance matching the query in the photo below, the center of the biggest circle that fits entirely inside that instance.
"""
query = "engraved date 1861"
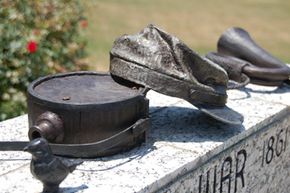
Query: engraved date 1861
(274, 146)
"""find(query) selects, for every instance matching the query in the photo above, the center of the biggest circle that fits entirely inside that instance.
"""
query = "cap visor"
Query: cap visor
(223, 114)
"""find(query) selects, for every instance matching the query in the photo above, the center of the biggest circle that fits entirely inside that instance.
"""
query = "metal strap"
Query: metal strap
(83, 150)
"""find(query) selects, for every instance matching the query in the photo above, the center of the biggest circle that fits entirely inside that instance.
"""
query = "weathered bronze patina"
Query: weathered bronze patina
(46, 167)
(234, 67)
(258, 64)
(157, 60)
(87, 114)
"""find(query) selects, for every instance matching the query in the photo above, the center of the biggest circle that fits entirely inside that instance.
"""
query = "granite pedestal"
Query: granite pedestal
(186, 151)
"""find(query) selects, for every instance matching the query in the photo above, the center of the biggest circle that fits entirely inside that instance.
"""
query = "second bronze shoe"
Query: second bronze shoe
(262, 67)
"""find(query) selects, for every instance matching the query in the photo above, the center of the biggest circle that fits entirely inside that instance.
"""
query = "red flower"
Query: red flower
(84, 23)
(31, 46)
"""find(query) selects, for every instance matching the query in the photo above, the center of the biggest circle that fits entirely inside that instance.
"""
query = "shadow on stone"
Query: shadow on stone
(73, 189)
(246, 91)
(277, 90)
(179, 124)
(174, 124)
(125, 157)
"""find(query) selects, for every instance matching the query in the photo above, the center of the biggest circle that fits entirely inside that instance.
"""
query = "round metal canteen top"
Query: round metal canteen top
(81, 89)
(86, 114)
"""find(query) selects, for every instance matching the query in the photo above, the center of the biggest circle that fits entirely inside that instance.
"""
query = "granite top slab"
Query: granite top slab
(180, 139)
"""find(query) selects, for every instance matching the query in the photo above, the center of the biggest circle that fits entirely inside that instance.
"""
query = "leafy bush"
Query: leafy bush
(36, 38)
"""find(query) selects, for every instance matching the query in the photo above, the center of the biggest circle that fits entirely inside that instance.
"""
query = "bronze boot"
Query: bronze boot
(262, 68)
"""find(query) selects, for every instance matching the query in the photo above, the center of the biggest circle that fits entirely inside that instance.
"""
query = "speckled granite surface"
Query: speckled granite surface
(181, 139)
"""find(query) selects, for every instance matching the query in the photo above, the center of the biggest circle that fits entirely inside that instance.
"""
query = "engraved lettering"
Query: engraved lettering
(279, 143)
(214, 180)
(224, 178)
(274, 146)
(240, 174)
(207, 182)
(286, 138)
(270, 150)
(233, 169)
(207, 185)
(263, 153)
(199, 186)
(210, 181)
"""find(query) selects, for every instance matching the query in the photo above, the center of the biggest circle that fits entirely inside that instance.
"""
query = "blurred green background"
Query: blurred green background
(198, 23)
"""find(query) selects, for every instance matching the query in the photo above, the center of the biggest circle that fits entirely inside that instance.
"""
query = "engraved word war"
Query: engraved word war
(228, 175)
(222, 177)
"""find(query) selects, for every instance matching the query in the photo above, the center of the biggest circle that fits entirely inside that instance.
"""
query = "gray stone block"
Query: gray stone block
(186, 151)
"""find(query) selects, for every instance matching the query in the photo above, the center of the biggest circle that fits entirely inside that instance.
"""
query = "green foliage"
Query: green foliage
(36, 38)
